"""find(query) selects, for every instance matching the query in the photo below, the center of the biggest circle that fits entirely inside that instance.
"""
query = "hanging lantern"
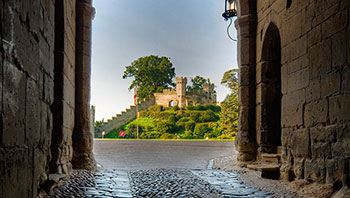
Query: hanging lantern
(230, 9)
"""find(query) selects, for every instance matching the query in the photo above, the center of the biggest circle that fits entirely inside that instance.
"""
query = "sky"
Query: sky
(191, 32)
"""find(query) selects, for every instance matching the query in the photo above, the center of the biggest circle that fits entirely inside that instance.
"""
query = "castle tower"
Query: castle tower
(181, 91)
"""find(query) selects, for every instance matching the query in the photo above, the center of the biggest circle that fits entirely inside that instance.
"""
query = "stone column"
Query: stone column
(245, 140)
(82, 137)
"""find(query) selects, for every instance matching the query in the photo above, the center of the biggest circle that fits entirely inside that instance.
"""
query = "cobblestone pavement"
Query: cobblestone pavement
(160, 183)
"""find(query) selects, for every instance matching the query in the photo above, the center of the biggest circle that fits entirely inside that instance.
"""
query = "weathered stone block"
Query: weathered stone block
(243, 96)
(244, 142)
(243, 120)
(19, 164)
(69, 70)
(292, 108)
(246, 51)
(46, 125)
(48, 91)
(299, 168)
(343, 132)
(316, 112)
(298, 80)
(284, 79)
(46, 57)
(286, 137)
(314, 36)
(292, 31)
(315, 170)
(346, 81)
(320, 61)
(339, 108)
(335, 24)
(298, 64)
(294, 50)
(338, 50)
(300, 144)
(335, 170)
(33, 109)
(321, 140)
(330, 84)
(14, 110)
(68, 92)
(313, 91)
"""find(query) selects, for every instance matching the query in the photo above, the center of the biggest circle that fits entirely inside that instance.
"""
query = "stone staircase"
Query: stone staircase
(269, 165)
(123, 118)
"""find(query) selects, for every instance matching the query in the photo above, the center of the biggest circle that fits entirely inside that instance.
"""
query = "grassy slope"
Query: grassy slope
(147, 122)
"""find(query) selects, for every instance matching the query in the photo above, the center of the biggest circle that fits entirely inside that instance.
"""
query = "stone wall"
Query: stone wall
(26, 93)
(314, 68)
(166, 97)
(123, 118)
(38, 77)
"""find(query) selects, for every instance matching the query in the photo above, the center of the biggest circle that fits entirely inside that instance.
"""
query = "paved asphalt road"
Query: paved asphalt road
(145, 154)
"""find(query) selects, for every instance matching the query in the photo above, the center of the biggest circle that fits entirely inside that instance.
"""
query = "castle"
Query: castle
(180, 97)
(168, 98)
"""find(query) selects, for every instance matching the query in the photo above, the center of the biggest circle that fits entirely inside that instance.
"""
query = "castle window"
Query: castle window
(171, 103)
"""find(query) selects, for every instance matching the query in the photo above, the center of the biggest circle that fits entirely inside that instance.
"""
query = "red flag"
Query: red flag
(121, 133)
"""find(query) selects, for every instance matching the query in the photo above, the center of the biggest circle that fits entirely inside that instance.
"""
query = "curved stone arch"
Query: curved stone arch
(269, 86)
(171, 103)
(272, 18)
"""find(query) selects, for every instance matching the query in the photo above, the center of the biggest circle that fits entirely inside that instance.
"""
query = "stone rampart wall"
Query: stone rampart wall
(123, 118)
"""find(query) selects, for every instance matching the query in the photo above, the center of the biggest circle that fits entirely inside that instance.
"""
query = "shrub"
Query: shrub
(189, 126)
(226, 136)
(131, 131)
(208, 116)
(164, 115)
(150, 135)
(214, 108)
(156, 108)
(181, 122)
(196, 107)
(208, 135)
(168, 136)
(188, 135)
(166, 127)
(194, 115)
(172, 119)
(144, 114)
(201, 129)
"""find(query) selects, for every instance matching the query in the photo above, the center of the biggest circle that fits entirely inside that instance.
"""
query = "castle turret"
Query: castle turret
(181, 91)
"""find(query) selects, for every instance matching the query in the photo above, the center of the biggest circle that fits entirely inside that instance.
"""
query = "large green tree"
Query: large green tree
(197, 84)
(151, 74)
(229, 107)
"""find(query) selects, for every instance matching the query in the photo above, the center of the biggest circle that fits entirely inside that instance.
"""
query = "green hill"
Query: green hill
(192, 122)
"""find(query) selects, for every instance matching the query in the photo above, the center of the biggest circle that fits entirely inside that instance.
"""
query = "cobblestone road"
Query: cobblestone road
(159, 169)
(166, 183)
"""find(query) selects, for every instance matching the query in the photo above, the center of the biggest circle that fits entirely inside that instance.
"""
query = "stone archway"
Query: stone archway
(268, 91)
(171, 103)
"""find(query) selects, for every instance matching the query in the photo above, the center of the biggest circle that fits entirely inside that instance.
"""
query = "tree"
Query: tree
(197, 84)
(230, 79)
(229, 107)
(151, 74)
(99, 123)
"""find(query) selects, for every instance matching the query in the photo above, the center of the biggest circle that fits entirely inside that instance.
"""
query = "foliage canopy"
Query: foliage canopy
(151, 74)
(229, 107)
